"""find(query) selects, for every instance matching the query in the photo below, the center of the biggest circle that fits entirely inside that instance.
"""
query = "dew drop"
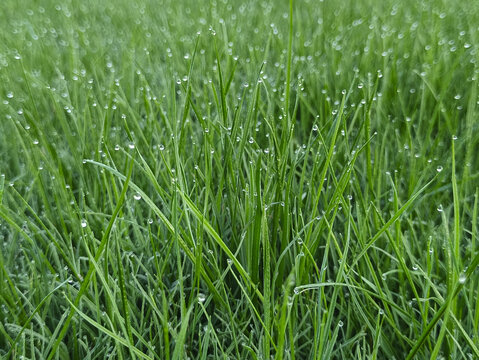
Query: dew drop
(439, 169)
(137, 196)
(462, 278)
(201, 298)
(83, 223)
(340, 323)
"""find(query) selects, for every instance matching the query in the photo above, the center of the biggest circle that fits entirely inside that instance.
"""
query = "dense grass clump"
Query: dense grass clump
(239, 179)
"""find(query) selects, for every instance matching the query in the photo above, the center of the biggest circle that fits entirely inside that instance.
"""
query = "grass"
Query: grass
(239, 180)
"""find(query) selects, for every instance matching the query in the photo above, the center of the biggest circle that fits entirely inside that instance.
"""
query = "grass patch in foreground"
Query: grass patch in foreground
(239, 180)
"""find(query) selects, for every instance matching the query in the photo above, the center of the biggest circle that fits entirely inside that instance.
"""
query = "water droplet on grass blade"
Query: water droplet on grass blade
(137, 196)
(439, 168)
(201, 298)
(83, 223)
(462, 278)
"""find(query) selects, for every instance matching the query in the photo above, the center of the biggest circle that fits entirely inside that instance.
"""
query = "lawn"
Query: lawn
(248, 179)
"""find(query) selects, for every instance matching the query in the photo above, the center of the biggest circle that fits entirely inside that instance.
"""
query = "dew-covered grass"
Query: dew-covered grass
(239, 179)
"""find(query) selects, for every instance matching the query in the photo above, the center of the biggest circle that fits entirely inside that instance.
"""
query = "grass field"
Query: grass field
(239, 179)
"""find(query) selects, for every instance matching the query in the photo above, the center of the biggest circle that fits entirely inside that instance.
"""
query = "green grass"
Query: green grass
(239, 179)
